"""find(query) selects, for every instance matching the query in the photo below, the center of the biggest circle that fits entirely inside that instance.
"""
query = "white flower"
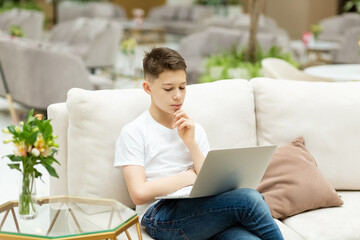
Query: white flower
(35, 152)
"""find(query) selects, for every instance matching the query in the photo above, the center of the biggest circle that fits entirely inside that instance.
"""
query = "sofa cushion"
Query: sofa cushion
(320, 112)
(293, 184)
(330, 223)
(96, 119)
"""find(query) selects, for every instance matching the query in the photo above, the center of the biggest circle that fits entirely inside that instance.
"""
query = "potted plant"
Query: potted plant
(352, 3)
(233, 64)
(34, 145)
(16, 31)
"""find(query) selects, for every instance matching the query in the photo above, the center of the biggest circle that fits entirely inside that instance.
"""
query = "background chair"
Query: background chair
(334, 27)
(30, 21)
(69, 10)
(279, 69)
(181, 20)
(95, 40)
(349, 51)
(34, 77)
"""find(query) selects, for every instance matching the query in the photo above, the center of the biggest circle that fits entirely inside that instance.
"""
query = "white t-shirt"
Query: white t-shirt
(160, 150)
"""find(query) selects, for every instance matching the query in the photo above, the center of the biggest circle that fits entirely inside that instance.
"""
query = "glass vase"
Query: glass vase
(27, 197)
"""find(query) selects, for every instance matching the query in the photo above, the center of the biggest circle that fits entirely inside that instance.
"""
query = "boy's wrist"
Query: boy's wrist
(192, 146)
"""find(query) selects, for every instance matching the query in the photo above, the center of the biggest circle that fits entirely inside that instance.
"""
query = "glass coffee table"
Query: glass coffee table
(67, 217)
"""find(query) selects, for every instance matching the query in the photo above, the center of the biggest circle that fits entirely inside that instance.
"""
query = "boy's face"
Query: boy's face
(167, 91)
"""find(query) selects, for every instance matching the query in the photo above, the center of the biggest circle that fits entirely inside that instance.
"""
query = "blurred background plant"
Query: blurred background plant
(316, 29)
(232, 64)
(6, 5)
(352, 4)
(128, 46)
(16, 31)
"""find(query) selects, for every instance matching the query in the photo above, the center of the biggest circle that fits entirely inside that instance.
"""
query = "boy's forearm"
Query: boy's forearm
(161, 187)
(197, 156)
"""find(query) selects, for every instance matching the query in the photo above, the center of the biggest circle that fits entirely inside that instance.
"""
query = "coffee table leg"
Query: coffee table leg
(4, 218)
(138, 230)
(15, 220)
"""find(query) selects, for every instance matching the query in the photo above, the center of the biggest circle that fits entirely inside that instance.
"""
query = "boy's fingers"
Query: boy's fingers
(178, 122)
(179, 114)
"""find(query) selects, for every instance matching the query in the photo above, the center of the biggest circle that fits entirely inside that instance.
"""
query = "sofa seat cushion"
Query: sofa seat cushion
(97, 117)
(330, 223)
(320, 112)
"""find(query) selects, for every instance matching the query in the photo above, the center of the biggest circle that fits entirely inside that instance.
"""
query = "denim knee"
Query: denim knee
(251, 194)
(252, 198)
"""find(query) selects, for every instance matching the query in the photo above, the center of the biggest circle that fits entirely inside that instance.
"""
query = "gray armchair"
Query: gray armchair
(69, 10)
(333, 28)
(182, 20)
(30, 21)
(95, 40)
(349, 47)
(39, 75)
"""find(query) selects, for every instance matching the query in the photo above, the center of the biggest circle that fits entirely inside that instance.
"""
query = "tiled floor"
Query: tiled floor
(10, 179)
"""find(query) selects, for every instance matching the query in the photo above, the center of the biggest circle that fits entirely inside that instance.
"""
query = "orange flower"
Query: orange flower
(39, 116)
(20, 149)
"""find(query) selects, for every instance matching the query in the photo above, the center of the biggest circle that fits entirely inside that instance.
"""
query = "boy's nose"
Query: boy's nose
(177, 95)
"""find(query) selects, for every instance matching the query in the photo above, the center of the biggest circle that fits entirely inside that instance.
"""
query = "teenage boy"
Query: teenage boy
(162, 151)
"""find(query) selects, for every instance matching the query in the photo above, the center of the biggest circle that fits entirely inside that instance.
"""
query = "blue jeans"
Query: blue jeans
(238, 214)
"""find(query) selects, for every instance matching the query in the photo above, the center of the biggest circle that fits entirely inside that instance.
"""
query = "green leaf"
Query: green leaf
(12, 129)
(30, 114)
(15, 166)
(32, 138)
(54, 160)
(51, 170)
(37, 173)
(14, 158)
(348, 5)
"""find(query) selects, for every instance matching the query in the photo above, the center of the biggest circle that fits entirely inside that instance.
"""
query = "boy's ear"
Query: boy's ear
(146, 87)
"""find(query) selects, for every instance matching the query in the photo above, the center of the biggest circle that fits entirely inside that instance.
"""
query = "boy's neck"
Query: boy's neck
(164, 118)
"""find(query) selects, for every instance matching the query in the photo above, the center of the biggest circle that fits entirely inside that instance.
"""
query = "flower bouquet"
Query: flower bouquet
(34, 145)
(316, 29)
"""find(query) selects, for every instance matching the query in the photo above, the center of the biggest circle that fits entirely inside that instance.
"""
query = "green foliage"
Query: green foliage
(236, 59)
(25, 4)
(16, 31)
(350, 4)
(34, 144)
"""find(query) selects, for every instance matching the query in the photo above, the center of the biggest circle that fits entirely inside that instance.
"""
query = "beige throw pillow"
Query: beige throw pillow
(293, 183)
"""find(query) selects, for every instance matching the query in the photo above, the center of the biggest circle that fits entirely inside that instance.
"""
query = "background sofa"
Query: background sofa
(181, 19)
(34, 77)
(260, 112)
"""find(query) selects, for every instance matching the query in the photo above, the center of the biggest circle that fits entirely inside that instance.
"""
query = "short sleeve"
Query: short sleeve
(129, 149)
(201, 139)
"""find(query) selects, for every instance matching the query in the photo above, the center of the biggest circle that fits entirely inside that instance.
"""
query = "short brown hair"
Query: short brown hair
(161, 59)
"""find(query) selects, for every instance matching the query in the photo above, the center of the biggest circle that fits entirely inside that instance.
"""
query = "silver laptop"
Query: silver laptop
(228, 169)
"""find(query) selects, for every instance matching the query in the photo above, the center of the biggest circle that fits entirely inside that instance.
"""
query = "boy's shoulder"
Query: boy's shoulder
(138, 123)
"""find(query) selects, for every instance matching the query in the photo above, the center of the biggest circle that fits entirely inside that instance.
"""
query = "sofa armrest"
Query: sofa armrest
(59, 114)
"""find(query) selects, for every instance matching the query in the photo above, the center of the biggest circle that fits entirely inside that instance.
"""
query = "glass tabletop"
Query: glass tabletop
(66, 216)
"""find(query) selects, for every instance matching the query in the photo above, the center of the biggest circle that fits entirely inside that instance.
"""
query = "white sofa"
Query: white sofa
(234, 113)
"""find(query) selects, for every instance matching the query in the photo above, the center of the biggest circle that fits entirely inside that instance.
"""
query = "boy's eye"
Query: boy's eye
(168, 90)
(182, 88)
